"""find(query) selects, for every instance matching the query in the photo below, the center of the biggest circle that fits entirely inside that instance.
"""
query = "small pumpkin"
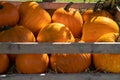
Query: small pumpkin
(4, 63)
(98, 26)
(15, 34)
(9, 14)
(86, 14)
(32, 63)
(33, 16)
(70, 17)
(107, 62)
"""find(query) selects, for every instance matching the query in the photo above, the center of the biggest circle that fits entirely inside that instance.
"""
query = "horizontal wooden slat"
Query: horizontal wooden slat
(60, 47)
(55, 5)
(79, 76)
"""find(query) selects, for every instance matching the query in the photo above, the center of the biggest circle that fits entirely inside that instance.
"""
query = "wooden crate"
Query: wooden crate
(60, 47)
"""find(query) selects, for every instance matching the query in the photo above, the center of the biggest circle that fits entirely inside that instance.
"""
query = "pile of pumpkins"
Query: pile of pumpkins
(29, 22)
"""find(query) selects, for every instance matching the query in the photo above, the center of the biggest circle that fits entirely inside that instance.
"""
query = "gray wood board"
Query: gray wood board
(79, 76)
(59, 47)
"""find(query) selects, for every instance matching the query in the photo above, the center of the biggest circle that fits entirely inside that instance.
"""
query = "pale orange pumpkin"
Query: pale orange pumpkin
(69, 17)
(98, 26)
(107, 62)
(33, 16)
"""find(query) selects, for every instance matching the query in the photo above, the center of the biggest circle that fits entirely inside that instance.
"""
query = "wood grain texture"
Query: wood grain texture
(79, 76)
(60, 47)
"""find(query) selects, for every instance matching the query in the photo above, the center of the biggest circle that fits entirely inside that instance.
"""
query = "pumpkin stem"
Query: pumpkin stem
(98, 5)
(68, 6)
(6, 27)
(1, 6)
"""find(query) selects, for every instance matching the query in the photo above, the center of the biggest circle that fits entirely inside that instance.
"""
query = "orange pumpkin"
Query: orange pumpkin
(70, 63)
(33, 16)
(98, 26)
(107, 62)
(55, 32)
(16, 34)
(4, 63)
(86, 14)
(69, 17)
(32, 63)
(90, 13)
(9, 14)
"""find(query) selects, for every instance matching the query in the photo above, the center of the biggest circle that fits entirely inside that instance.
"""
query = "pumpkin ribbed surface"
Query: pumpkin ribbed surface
(33, 16)
(32, 63)
(90, 13)
(72, 19)
(107, 62)
(55, 32)
(98, 26)
(70, 63)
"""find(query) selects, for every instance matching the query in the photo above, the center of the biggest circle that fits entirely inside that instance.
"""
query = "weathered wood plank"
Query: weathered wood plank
(79, 76)
(60, 47)
(55, 5)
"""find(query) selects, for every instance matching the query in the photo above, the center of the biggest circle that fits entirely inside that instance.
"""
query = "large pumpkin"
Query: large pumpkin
(16, 34)
(107, 62)
(55, 32)
(32, 63)
(33, 16)
(4, 63)
(70, 63)
(69, 17)
(9, 14)
(98, 26)
(65, 63)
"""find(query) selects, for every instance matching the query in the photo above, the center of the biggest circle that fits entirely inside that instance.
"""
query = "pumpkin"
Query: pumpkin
(107, 62)
(15, 34)
(4, 63)
(86, 14)
(32, 63)
(33, 16)
(70, 17)
(9, 14)
(70, 63)
(90, 13)
(98, 26)
(55, 32)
